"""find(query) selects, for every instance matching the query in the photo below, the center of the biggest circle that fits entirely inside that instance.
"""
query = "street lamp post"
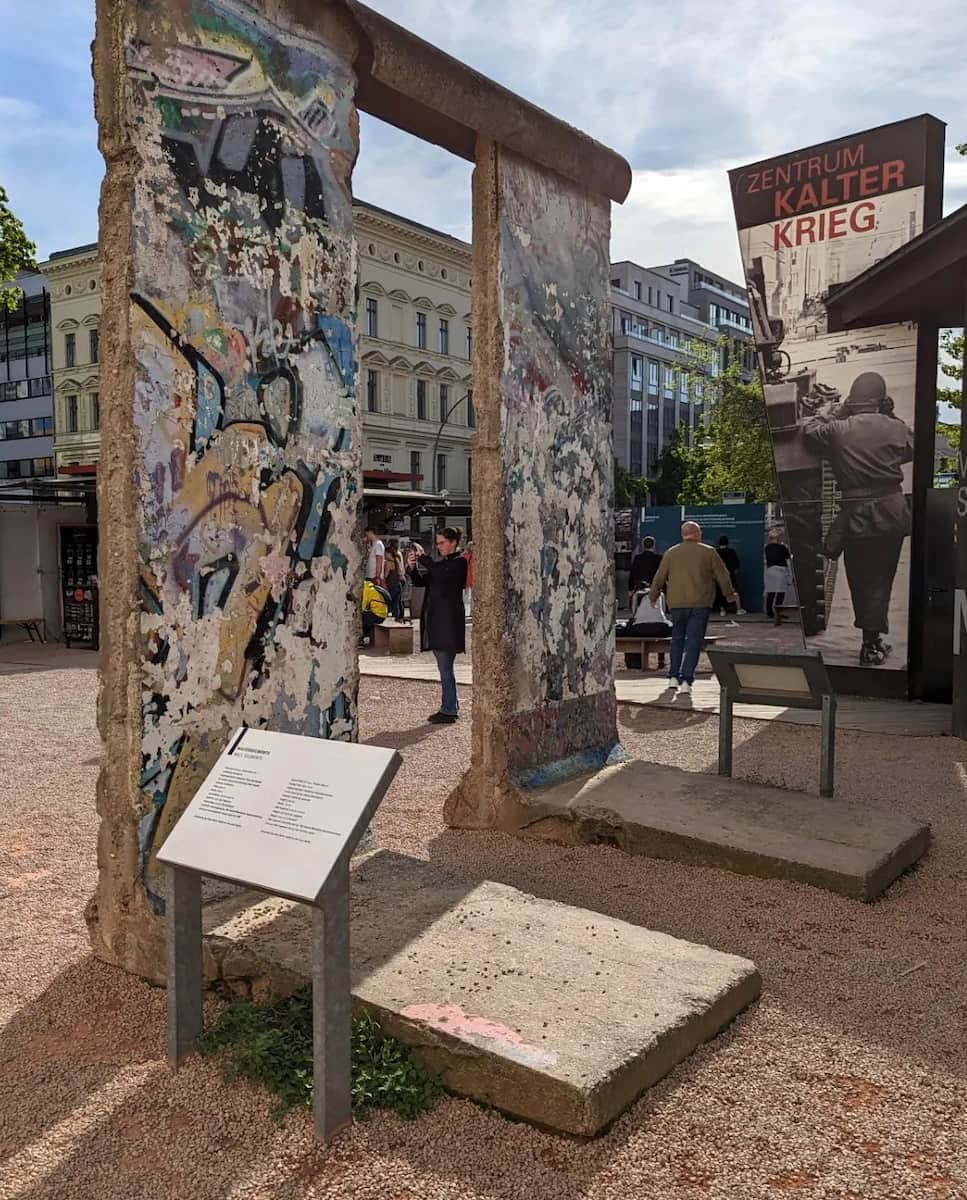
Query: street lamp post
(439, 433)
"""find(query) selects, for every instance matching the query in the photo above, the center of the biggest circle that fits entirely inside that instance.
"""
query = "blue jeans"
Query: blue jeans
(444, 662)
(688, 635)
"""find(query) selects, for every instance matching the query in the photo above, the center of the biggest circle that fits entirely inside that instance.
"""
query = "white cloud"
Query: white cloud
(676, 214)
(684, 91)
(687, 91)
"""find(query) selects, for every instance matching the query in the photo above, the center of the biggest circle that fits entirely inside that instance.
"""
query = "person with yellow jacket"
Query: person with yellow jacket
(375, 608)
(688, 573)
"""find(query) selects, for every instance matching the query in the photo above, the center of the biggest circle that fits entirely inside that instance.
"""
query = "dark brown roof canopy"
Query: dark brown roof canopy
(409, 83)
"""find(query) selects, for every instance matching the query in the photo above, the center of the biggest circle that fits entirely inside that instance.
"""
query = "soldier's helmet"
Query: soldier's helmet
(867, 392)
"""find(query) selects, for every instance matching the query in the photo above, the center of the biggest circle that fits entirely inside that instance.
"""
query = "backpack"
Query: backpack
(383, 595)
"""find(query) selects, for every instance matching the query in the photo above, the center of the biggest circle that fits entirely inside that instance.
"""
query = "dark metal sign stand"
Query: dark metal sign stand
(815, 693)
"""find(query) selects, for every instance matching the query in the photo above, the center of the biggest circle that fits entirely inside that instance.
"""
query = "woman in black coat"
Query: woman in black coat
(443, 619)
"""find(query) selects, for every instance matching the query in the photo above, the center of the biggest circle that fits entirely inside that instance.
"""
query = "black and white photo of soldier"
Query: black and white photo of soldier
(866, 445)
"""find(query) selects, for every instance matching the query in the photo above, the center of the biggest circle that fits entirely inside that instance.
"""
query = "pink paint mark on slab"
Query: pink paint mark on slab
(479, 1031)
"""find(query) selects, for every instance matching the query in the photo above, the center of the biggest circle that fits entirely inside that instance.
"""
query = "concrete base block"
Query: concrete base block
(554, 1014)
(663, 812)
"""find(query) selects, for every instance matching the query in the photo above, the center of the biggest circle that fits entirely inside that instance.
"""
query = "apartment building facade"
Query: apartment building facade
(416, 390)
(658, 341)
(721, 303)
(40, 523)
(26, 403)
(414, 383)
(75, 298)
(670, 343)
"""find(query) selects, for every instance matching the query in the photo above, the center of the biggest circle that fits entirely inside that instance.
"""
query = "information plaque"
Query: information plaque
(283, 814)
(277, 811)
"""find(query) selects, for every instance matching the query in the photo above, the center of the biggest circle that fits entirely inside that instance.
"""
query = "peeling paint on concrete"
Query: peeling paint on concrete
(556, 450)
(247, 455)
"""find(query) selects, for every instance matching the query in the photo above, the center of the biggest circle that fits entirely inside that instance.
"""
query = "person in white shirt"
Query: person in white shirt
(649, 619)
(376, 562)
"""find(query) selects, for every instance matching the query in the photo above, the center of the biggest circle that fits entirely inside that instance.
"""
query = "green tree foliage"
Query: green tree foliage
(731, 452)
(17, 253)
(676, 462)
(952, 345)
(630, 491)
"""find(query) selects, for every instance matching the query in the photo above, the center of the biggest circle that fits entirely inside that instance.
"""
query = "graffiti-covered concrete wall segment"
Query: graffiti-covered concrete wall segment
(556, 439)
(246, 449)
(544, 703)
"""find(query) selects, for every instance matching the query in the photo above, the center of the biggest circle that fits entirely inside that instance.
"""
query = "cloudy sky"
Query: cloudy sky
(683, 90)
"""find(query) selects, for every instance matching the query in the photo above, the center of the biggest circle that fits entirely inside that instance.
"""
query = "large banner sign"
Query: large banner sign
(840, 405)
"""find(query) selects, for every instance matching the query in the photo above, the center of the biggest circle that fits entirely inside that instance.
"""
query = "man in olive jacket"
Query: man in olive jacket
(688, 574)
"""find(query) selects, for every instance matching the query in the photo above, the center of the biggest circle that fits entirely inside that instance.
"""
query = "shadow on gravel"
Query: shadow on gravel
(90, 1108)
(24, 658)
(651, 718)
(66, 1045)
(401, 739)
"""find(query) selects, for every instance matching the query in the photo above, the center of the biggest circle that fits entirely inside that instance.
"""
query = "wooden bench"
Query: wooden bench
(393, 637)
(33, 625)
(638, 651)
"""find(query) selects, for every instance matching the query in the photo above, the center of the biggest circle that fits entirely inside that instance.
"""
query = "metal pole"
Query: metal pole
(332, 1006)
(183, 918)
(828, 751)
(725, 732)
(439, 434)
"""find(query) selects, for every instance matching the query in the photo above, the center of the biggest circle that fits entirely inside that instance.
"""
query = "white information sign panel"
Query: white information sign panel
(278, 810)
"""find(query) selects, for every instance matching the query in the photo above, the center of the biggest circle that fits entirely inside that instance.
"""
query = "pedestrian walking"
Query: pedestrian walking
(776, 577)
(867, 445)
(644, 565)
(443, 628)
(688, 574)
(395, 574)
(731, 559)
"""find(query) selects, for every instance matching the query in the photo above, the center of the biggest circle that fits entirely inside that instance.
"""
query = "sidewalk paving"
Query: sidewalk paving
(637, 687)
(632, 687)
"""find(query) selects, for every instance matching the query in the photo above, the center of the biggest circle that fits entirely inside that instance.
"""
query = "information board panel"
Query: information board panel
(278, 810)
(841, 405)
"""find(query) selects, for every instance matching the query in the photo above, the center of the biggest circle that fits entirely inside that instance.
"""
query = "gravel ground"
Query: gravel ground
(847, 1080)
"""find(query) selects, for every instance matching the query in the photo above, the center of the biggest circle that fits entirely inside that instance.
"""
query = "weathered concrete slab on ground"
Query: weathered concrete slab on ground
(555, 1014)
(664, 812)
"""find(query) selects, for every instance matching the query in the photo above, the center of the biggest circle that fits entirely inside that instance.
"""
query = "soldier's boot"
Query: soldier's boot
(874, 654)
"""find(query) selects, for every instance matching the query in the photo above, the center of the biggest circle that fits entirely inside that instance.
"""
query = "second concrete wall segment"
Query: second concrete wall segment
(545, 704)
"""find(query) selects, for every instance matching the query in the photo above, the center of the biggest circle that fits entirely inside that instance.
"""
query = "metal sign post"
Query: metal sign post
(796, 680)
(331, 1007)
(725, 732)
(828, 749)
(184, 963)
(282, 814)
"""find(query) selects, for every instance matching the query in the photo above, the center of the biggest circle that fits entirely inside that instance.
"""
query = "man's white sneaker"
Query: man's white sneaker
(684, 689)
